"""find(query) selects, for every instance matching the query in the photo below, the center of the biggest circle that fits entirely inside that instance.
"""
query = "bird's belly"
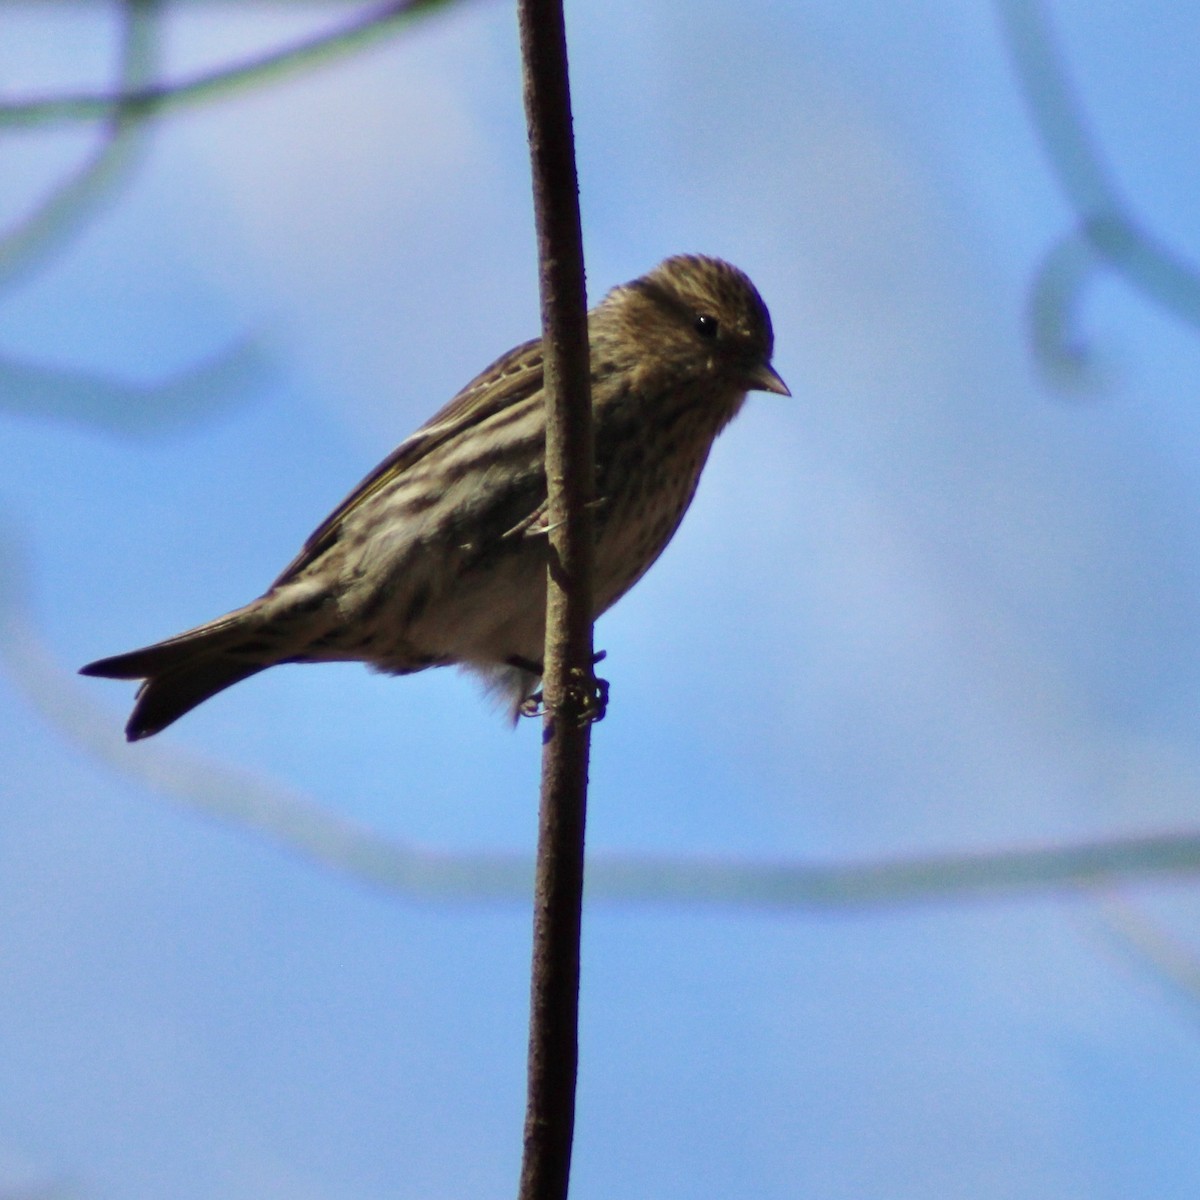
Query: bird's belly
(462, 603)
(491, 615)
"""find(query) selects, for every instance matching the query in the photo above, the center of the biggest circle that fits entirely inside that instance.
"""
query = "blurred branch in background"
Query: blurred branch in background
(300, 825)
(148, 100)
(1151, 947)
(83, 397)
(202, 391)
(225, 379)
(1053, 314)
(46, 229)
(1106, 232)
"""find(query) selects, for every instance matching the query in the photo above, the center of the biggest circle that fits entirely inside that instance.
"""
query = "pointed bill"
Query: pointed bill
(764, 378)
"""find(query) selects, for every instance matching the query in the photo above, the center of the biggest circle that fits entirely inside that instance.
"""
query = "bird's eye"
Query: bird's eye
(706, 326)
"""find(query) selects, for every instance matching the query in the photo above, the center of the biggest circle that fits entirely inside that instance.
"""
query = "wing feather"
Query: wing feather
(512, 378)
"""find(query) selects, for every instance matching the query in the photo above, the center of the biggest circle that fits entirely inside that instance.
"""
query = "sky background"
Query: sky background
(942, 600)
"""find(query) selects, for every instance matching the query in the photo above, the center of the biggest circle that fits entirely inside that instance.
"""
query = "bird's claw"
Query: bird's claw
(588, 696)
(594, 701)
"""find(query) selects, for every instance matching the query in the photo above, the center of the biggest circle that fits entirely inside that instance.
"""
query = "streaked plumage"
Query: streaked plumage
(439, 555)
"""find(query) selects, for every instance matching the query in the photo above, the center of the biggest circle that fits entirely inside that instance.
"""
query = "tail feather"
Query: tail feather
(173, 651)
(184, 671)
(163, 699)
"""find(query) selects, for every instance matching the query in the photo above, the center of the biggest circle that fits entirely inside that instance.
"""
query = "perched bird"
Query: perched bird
(439, 555)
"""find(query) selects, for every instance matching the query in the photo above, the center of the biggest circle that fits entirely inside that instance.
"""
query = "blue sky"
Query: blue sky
(931, 604)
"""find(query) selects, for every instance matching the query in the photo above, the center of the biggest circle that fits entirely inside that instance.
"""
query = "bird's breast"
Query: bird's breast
(647, 472)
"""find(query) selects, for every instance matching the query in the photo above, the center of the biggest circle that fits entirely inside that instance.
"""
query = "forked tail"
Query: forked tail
(184, 671)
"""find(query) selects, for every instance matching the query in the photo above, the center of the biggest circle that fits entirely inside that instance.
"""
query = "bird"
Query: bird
(438, 556)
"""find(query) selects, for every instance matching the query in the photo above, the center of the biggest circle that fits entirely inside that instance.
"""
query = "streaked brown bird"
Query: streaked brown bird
(439, 555)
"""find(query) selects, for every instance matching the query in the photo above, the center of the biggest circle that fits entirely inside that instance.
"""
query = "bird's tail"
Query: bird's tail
(186, 670)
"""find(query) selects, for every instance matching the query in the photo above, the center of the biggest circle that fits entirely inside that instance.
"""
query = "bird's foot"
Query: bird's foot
(594, 699)
(587, 695)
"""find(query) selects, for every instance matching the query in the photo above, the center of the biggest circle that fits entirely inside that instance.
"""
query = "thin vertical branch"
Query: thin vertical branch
(567, 684)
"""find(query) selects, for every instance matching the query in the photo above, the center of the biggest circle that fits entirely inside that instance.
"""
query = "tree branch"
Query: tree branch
(568, 685)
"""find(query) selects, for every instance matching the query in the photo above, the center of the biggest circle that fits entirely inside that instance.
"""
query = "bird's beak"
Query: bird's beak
(764, 378)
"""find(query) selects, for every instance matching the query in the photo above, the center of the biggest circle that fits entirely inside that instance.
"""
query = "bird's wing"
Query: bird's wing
(510, 379)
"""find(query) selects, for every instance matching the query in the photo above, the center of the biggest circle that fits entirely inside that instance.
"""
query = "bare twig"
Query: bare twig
(568, 684)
